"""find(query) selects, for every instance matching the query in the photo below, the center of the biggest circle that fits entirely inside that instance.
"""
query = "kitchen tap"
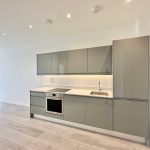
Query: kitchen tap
(99, 84)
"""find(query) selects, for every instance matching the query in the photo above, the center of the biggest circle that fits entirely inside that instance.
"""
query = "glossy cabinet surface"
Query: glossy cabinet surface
(77, 61)
(99, 112)
(100, 60)
(131, 117)
(130, 68)
(74, 109)
(59, 62)
(44, 64)
(96, 60)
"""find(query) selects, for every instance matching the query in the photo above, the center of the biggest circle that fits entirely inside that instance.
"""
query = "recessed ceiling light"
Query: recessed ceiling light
(68, 15)
(4, 34)
(128, 1)
(48, 21)
(30, 26)
(96, 9)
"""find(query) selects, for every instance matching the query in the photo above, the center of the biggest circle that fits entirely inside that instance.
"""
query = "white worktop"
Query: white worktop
(80, 91)
(85, 92)
(42, 89)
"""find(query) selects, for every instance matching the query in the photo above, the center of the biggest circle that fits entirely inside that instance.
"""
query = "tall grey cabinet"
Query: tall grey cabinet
(59, 62)
(44, 64)
(131, 117)
(131, 85)
(100, 60)
(77, 61)
(130, 68)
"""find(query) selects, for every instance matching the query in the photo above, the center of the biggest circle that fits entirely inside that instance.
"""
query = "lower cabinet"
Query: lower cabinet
(37, 110)
(131, 117)
(125, 116)
(37, 103)
(74, 108)
(99, 112)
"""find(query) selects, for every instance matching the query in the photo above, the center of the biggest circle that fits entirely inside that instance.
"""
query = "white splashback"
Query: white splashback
(78, 80)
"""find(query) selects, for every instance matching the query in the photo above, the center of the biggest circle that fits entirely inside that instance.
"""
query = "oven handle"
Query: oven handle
(54, 98)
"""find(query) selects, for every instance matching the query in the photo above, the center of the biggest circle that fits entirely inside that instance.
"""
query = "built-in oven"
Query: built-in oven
(54, 101)
(54, 105)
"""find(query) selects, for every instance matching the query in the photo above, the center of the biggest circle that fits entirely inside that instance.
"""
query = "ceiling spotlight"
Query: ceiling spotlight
(30, 26)
(128, 1)
(68, 15)
(48, 21)
(96, 9)
(4, 34)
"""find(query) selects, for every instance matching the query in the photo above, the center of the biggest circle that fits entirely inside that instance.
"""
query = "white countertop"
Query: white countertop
(75, 91)
(42, 89)
(85, 92)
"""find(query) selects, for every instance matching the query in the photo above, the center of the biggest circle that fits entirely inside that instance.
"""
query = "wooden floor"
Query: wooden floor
(19, 132)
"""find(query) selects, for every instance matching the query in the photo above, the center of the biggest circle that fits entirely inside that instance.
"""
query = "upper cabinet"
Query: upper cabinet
(59, 62)
(100, 60)
(82, 61)
(130, 68)
(44, 64)
(77, 61)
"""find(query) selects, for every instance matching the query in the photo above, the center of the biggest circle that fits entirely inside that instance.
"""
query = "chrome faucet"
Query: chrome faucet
(99, 84)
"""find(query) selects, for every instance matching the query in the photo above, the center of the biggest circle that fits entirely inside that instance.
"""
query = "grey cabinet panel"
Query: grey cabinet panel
(77, 61)
(130, 68)
(74, 109)
(54, 116)
(100, 60)
(44, 64)
(38, 101)
(99, 112)
(38, 94)
(131, 117)
(37, 110)
(59, 62)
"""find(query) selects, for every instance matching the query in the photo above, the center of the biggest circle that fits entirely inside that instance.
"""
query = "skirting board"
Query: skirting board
(94, 129)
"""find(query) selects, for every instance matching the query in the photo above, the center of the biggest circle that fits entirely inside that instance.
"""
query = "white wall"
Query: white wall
(18, 64)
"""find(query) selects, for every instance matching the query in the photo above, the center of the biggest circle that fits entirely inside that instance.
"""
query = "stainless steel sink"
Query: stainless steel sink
(99, 93)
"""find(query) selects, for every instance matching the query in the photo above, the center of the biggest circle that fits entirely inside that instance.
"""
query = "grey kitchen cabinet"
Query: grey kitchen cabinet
(130, 68)
(99, 112)
(100, 60)
(131, 117)
(74, 108)
(77, 61)
(37, 110)
(44, 64)
(38, 101)
(59, 62)
(37, 94)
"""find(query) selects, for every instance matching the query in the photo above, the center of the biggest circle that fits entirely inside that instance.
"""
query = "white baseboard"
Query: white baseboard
(94, 129)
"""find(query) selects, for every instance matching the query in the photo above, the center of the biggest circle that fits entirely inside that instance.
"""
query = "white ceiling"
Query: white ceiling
(15, 15)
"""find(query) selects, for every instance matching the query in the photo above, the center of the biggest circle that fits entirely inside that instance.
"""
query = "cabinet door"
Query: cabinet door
(37, 110)
(74, 109)
(59, 62)
(100, 60)
(44, 64)
(77, 61)
(99, 112)
(130, 68)
(131, 117)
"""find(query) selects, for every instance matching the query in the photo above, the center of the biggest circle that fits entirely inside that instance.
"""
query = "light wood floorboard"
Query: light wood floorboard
(19, 132)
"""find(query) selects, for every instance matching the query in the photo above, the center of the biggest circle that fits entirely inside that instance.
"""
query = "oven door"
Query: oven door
(54, 105)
